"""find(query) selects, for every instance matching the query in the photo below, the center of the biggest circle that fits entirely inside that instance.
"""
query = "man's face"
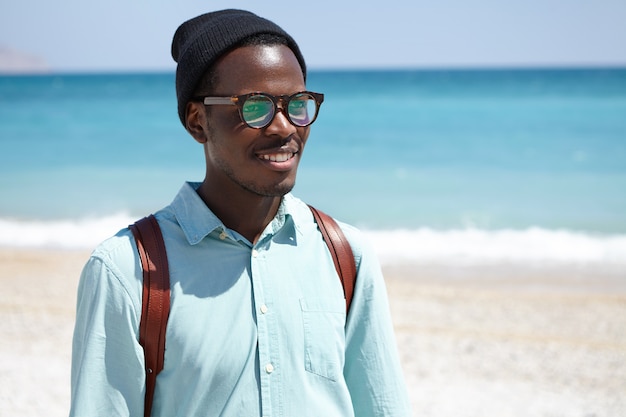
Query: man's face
(239, 158)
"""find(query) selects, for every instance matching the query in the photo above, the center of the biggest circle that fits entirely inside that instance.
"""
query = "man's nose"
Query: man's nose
(281, 124)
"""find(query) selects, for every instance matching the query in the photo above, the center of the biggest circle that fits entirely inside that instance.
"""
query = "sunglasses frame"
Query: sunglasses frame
(240, 100)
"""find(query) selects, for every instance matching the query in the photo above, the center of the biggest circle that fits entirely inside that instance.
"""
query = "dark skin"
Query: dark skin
(248, 171)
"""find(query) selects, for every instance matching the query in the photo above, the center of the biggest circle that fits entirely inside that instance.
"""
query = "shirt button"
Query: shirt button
(263, 309)
(223, 235)
(255, 253)
(269, 368)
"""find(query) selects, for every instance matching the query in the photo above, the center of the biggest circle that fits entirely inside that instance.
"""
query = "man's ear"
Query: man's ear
(195, 117)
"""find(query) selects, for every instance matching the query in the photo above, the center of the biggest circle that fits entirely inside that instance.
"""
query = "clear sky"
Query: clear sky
(120, 35)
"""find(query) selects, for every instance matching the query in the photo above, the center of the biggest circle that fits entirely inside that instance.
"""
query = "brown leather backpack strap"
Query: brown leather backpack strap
(340, 250)
(155, 301)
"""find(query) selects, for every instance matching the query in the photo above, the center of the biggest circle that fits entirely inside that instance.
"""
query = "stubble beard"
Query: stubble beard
(261, 190)
(270, 190)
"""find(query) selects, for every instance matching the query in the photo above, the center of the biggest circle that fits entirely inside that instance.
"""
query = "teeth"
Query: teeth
(279, 157)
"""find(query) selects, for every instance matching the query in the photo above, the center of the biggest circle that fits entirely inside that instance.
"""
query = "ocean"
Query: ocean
(434, 165)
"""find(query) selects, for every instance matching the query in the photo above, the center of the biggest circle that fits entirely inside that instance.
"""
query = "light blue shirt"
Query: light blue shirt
(254, 330)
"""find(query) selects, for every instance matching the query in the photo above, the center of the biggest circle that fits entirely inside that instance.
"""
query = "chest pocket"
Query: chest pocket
(324, 337)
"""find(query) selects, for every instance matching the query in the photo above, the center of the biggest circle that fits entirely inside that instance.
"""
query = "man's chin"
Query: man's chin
(276, 190)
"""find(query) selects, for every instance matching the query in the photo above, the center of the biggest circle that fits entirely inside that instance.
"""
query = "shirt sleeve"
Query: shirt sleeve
(372, 369)
(107, 361)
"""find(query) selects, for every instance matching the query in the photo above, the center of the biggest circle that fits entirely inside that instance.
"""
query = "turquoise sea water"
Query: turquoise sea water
(438, 151)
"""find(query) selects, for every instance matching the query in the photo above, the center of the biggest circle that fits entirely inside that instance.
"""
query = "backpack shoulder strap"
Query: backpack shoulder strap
(340, 250)
(155, 300)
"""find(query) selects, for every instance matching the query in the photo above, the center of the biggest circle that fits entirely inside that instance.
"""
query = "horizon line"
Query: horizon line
(417, 68)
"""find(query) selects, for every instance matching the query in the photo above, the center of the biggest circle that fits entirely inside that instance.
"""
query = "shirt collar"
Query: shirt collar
(197, 221)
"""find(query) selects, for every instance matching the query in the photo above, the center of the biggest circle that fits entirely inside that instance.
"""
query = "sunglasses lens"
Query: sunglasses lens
(258, 111)
(302, 109)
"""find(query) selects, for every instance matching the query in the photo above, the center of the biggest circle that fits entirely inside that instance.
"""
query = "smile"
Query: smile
(277, 157)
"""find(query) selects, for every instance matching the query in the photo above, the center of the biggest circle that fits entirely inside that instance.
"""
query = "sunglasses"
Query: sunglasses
(257, 110)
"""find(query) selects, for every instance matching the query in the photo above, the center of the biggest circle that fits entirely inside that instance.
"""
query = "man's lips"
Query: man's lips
(283, 159)
(279, 154)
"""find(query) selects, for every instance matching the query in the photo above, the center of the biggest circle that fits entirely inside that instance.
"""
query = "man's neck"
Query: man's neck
(246, 213)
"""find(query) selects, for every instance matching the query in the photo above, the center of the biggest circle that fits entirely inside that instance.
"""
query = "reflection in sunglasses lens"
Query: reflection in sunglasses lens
(258, 111)
(302, 109)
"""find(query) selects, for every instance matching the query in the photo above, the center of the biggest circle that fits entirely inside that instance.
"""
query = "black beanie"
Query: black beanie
(200, 41)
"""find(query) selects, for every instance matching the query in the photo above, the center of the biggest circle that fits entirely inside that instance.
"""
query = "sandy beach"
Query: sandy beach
(475, 341)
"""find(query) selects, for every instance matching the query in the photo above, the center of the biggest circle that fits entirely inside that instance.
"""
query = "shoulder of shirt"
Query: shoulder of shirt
(114, 245)
(115, 263)
(119, 254)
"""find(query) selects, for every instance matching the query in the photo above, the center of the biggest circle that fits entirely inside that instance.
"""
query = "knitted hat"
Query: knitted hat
(200, 41)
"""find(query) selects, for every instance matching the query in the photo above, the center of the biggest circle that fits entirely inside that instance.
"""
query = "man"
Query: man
(257, 325)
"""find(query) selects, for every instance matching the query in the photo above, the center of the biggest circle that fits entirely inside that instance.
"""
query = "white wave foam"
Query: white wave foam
(471, 246)
(68, 234)
(424, 245)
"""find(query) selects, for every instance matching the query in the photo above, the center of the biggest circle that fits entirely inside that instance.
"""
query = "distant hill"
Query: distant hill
(17, 62)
